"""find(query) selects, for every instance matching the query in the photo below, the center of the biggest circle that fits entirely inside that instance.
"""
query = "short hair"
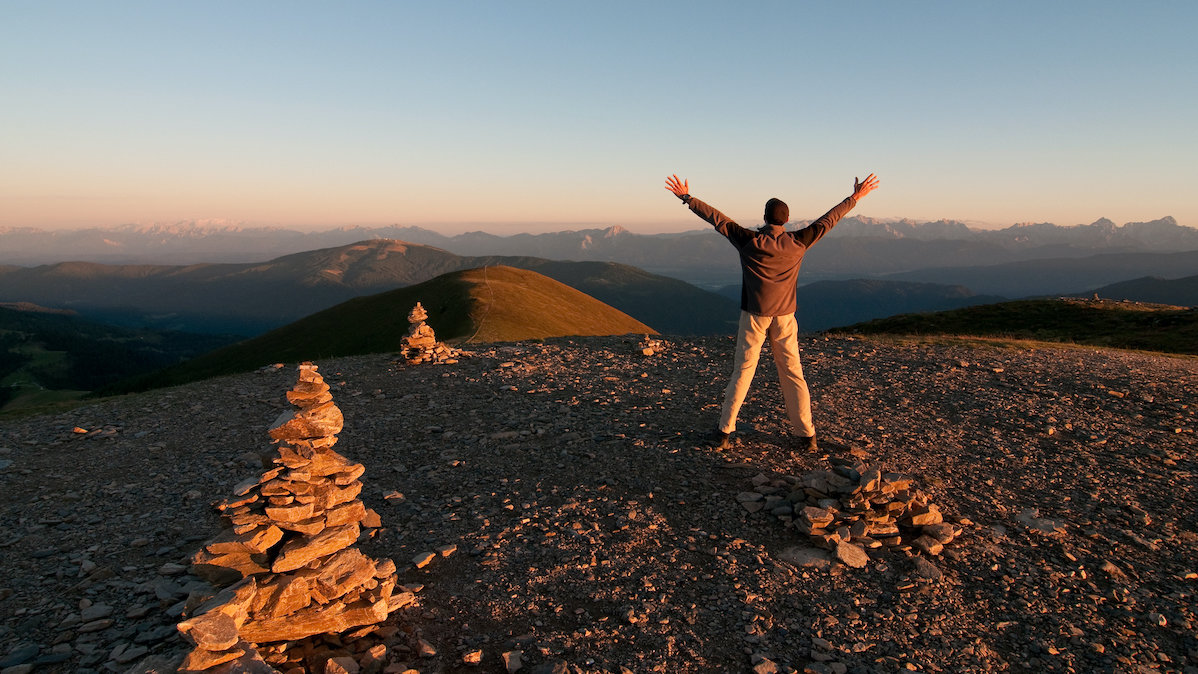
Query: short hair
(776, 212)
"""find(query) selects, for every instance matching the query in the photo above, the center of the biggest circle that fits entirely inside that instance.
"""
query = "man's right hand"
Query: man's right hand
(861, 189)
(680, 188)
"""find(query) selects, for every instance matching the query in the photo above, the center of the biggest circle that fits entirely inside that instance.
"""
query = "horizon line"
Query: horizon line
(543, 226)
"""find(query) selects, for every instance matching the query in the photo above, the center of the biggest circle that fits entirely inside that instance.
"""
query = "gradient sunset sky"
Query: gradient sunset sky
(537, 116)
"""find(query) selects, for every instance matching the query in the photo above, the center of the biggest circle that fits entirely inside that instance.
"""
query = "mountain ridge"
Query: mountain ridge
(250, 298)
(195, 242)
(1179, 292)
(1056, 276)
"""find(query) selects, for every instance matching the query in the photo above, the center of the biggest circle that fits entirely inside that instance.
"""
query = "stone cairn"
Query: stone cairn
(649, 346)
(420, 345)
(854, 507)
(287, 557)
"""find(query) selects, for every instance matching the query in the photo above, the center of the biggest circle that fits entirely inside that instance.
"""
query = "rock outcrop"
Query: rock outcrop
(287, 559)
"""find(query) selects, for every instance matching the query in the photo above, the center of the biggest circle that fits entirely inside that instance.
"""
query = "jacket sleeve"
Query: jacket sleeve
(816, 230)
(722, 223)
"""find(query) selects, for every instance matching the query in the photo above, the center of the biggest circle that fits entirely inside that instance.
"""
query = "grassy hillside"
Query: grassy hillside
(250, 299)
(672, 306)
(1124, 325)
(515, 304)
(491, 304)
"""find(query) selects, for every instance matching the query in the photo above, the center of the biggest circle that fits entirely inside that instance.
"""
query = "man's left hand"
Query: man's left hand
(680, 188)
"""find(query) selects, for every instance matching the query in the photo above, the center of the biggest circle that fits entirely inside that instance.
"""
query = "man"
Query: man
(769, 262)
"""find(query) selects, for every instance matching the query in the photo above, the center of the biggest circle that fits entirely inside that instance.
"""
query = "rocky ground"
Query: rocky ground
(577, 524)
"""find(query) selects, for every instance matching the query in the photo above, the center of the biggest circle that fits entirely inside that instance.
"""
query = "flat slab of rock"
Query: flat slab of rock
(328, 619)
(303, 550)
(925, 570)
(213, 631)
(852, 554)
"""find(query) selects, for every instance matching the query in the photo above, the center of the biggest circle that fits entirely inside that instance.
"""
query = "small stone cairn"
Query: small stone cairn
(288, 557)
(420, 345)
(854, 507)
(649, 346)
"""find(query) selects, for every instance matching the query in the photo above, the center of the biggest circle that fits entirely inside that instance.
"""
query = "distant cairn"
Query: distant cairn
(649, 346)
(287, 557)
(420, 345)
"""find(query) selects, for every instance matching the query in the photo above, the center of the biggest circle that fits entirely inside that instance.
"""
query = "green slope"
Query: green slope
(1125, 325)
(491, 304)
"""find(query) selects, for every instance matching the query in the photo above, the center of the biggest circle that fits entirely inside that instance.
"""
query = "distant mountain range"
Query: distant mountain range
(856, 247)
(251, 298)
(1182, 292)
(1055, 276)
(659, 279)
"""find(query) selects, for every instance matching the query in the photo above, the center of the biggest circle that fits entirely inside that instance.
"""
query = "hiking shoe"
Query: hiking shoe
(719, 440)
(807, 445)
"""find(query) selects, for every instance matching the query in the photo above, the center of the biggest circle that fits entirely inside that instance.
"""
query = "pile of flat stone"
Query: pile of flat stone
(287, 558)
(851, 508)
(420, 345)
(649, 346)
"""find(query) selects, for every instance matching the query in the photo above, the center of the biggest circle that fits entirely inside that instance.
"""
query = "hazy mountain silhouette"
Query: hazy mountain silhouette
(1057, 276)
(857, 247)
(1181, 292)
(250, 298)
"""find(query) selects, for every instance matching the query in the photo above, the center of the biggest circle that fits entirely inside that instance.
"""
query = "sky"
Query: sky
(524, 116)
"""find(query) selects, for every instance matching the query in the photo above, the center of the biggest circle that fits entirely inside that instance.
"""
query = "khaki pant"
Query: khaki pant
(783, 333)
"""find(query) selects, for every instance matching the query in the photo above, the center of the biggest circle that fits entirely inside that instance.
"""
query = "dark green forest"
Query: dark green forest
(55, 351)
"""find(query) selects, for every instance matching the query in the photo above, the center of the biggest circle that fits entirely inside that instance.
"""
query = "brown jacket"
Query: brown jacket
(770, 256)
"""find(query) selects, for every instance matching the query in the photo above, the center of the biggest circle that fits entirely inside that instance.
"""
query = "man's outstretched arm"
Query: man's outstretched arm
(816, 230)
(722, 223)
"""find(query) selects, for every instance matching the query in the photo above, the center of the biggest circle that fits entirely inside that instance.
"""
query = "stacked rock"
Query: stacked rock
(287, 554)
(854, 507)
(420, 345)
(648, 346)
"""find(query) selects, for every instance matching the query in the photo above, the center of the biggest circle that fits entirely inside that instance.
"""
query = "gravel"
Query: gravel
(554, 508)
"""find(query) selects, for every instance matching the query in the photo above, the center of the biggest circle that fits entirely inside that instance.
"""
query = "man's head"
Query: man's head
(776, 212)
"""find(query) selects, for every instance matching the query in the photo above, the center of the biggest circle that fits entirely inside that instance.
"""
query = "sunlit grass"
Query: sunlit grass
(502, 304)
